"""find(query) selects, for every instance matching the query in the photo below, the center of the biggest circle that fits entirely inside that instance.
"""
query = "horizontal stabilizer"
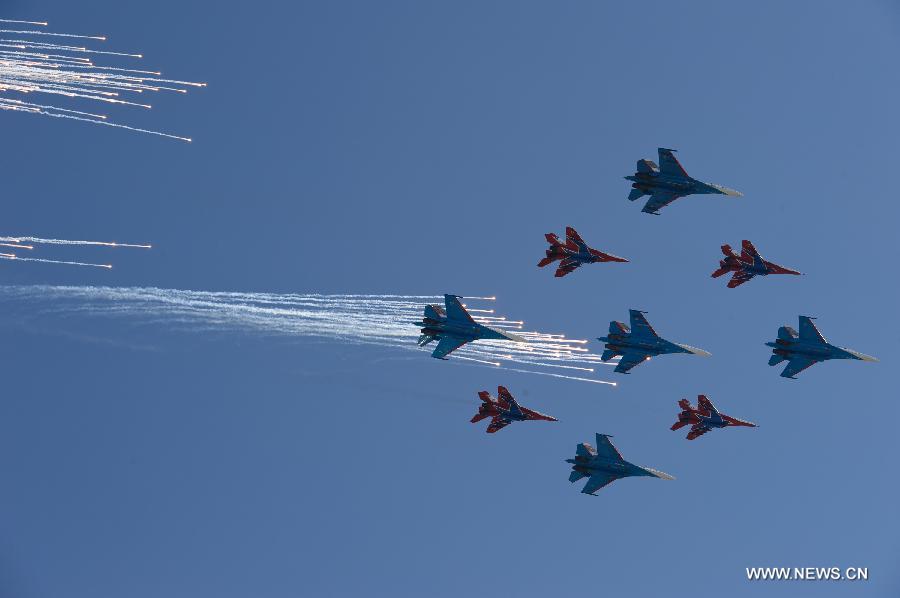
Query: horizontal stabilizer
(576, 475)
(608, 354)
(636, 194)
(776, 359)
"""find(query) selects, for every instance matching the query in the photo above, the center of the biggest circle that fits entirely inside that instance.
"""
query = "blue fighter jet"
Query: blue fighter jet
(806, 348)
(453, 327)
(604, 465)
(639, 343)
(667, 182)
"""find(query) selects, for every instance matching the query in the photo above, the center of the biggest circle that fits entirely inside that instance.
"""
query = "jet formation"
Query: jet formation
(638, 343)
(603, 465)
(504, 410)
(704, 417)
(807, 348)
(667, 182)
(573, 254)
(749, 264)
(453, 327)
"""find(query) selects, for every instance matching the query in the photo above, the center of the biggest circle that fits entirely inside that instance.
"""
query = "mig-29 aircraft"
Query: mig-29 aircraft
(574, 253)
(747, 265)
(504, 410)
(704, 417)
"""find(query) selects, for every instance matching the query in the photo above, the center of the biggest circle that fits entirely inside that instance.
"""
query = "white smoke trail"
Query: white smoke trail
(382, 320)
(42, 23)
(29, 66)
(41, 241)
(16, 243)
(9, 256)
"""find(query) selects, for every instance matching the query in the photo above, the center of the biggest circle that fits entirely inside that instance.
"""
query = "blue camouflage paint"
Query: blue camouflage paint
(639, 343)
(806, 348)
(668, 181)
(603, 465)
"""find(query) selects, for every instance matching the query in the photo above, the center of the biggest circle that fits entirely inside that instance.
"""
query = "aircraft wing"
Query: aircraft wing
(497, 423)
(566, 266)
(506, 400)
(606, 450)
(640, 327)
(448, 345)
(697, 430)
(629, 360)
(749, 253)
(796, 365)
(669, 164)
(739, 278)
(809, 332)
(573, 236)
(597, 481)
(705, 405)
(455, 311)
(659, 200)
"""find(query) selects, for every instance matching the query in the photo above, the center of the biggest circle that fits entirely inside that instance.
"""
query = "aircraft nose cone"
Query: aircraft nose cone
(514, 337)
(863, 356)
(727, 191)
(696, 351)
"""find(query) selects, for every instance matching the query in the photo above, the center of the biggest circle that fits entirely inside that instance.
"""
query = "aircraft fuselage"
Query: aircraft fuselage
(815, 352)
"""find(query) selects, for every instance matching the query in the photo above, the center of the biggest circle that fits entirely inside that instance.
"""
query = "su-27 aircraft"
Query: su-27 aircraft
(453, 327)
(806, 348)
(667, 182)
(747, 265)
(604, 465)
(504, 410)
(574, 253)
(639, 343)
(704, 417)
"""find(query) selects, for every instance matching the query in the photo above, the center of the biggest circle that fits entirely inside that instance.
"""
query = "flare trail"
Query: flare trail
(32, 61)
(18, 243)
(382, 320)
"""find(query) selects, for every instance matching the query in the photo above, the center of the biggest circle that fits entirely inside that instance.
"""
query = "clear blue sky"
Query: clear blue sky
(426, 147)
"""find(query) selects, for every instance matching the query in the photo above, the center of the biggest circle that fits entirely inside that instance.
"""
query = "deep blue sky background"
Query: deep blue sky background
(424, 147)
